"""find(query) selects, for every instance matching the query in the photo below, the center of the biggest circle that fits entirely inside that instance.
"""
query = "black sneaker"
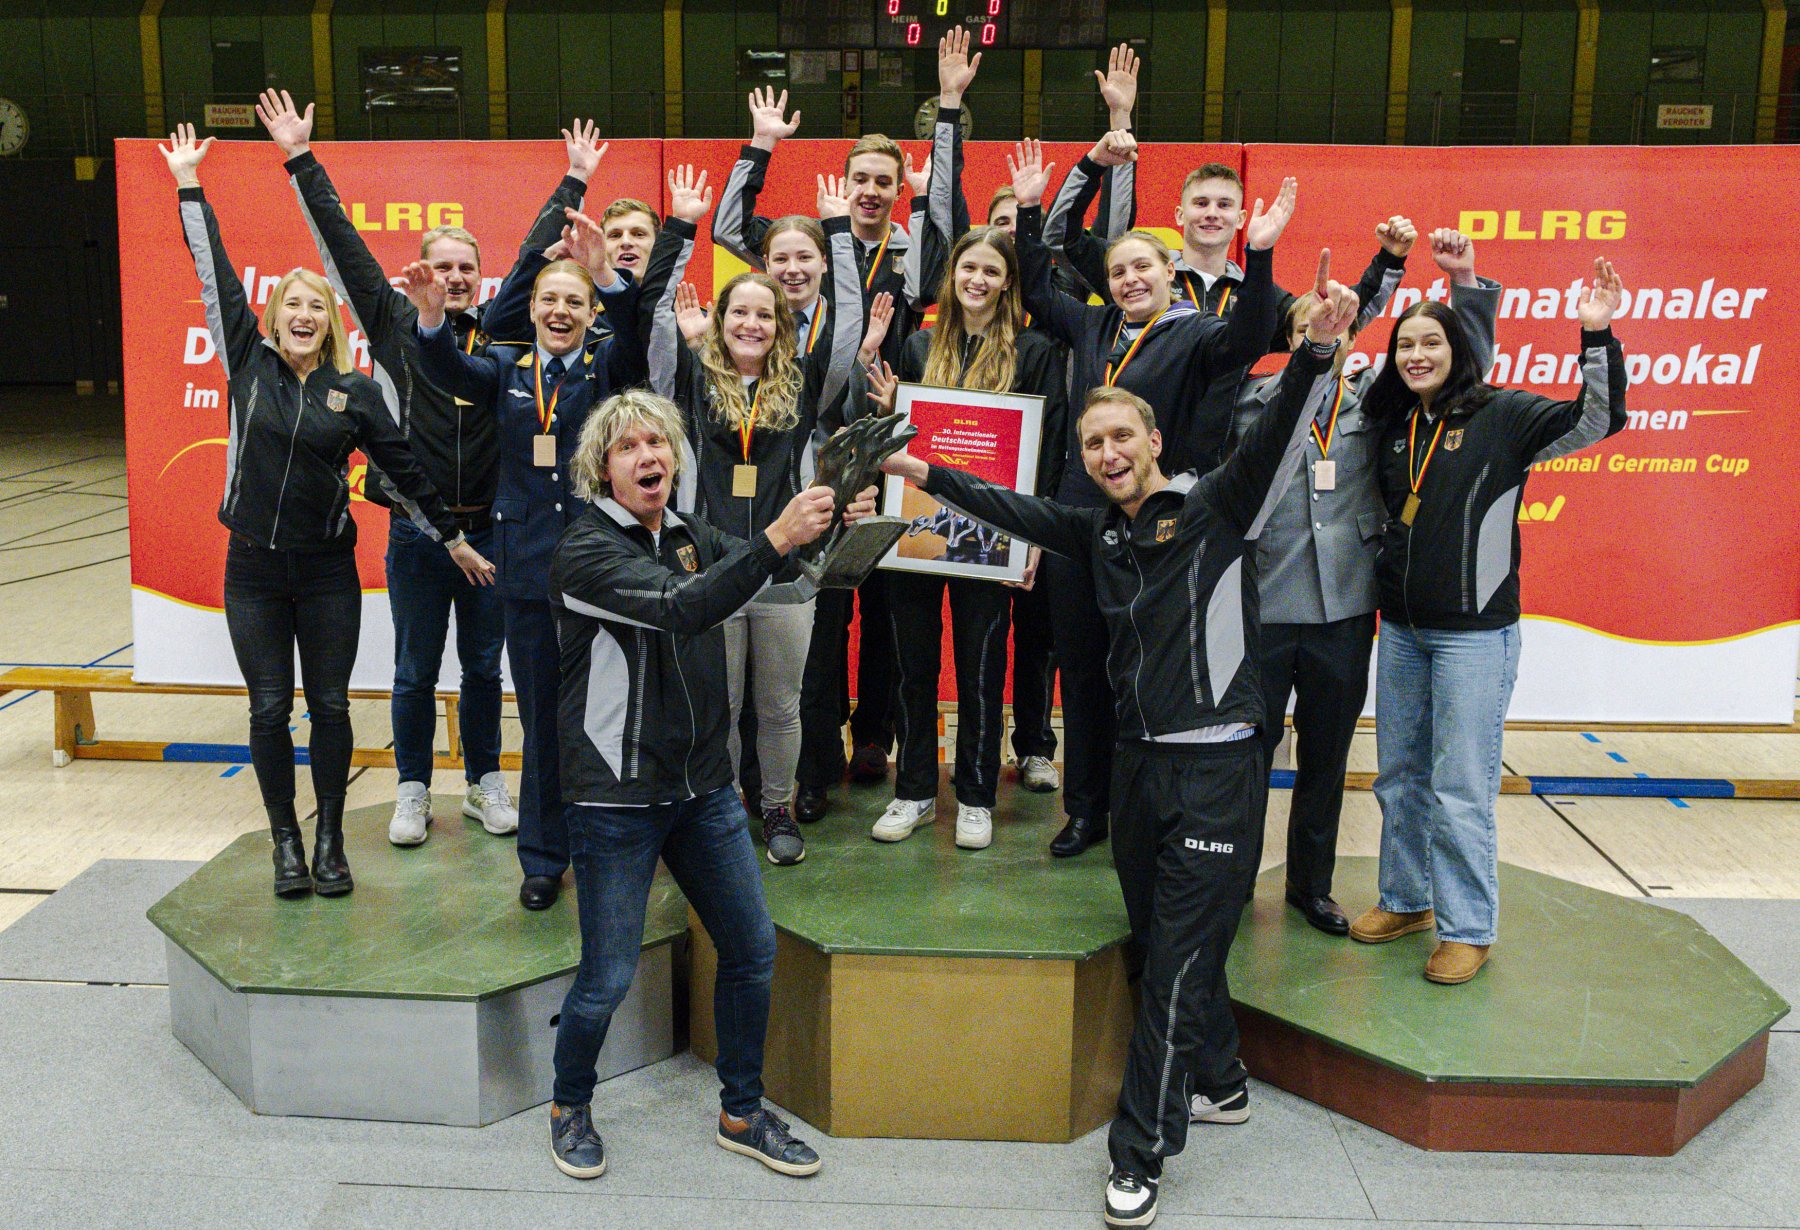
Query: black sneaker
(765, 1137)
(575, 1146)
(782, 836)
(1130, 1199)
(1232, 1107)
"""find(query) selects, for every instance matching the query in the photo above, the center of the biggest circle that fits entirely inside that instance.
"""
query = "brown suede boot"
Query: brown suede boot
(1378, 926)
(1454, 963)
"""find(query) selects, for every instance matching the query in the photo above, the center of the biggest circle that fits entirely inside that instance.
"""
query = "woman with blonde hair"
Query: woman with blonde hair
(752, 396)
(296, 408)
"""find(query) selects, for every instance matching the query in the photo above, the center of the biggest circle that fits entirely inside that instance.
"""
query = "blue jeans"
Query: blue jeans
(424, 583)
(706, 844)
(1440, 714)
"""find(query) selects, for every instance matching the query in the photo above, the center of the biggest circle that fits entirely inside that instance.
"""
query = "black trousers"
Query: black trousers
(1033, 672)
(825, 687)
(531, 650)
(277, 601)
(1183, 843)
(980, 612)
(1090, 715)
(1326, 667)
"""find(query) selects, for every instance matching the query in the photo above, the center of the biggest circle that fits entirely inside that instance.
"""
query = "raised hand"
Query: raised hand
(1334, 305)
(1600, 298)
(918, 181)
(834, 197)
(881, 315)
(1115, 149)
(1454, 253)
(883, 386)
(475, 569)
(1265, 228)
(585, 148)
(585, 243)
(1119, 83)
(427, 294)
(693, 319)
(1030, 175)
(184, 155)
(1397, 235)
(689, 197)
(955, 69)
(767, 128)
(289, 129)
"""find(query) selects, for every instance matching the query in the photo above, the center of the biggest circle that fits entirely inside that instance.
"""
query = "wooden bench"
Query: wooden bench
(76, 736)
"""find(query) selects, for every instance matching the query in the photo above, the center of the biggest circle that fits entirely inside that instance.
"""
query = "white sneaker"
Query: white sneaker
(412, 814)
(902, 817)
(974, 827)
(1038, 775)
(1130, 1199)
(490, 802)
(1233, 1108)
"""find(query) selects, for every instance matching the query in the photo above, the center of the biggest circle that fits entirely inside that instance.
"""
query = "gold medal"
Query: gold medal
(1324, 474)
(743, 480)
(1409, 510)
(543, 451)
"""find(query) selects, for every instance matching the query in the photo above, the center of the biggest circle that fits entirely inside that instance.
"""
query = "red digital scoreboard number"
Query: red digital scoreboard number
(921, 23)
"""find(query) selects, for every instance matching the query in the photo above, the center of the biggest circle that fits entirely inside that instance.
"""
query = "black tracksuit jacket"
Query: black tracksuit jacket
(714, 448)
(456, 445)
(1456, 567)
(286, 457)
(644, 706)
(1177, 583)
(1186, 351)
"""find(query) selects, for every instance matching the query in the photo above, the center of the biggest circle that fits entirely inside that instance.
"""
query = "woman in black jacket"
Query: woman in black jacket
(1453, 457)
(751, 392)
(979, 342)
(297, 409)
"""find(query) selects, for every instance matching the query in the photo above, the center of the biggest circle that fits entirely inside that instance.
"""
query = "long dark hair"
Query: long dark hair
(1389, 399)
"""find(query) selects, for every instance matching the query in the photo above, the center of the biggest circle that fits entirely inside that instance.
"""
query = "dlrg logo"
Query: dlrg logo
(1207, 847)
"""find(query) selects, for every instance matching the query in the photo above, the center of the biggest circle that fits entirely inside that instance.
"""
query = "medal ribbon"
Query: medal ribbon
(1411, 433)
(1224, 298)
(546, 413)
(1324, 441)
(875, 264)
(1113, 373)
(748, 426)
(470, 348)
(812, 331)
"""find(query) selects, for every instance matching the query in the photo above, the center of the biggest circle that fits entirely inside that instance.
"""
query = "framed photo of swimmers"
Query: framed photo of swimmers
(990, 435)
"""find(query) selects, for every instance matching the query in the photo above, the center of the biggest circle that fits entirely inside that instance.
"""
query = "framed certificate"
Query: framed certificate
(990, 435)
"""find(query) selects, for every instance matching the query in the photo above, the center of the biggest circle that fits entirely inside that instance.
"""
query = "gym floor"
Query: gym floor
(188, 1153)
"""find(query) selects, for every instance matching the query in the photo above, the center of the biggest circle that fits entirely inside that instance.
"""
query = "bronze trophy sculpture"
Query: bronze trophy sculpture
(849, 462)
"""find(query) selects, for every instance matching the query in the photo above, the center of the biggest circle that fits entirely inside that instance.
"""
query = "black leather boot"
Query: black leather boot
(330, 872)
(291, 878)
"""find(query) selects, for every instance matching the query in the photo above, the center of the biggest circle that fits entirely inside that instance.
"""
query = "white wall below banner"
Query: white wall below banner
(177, 643)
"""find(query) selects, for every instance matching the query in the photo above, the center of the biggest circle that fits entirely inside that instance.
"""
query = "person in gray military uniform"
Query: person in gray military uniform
(1315, 565)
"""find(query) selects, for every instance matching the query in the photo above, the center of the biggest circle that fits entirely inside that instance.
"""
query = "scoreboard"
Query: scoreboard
(1047, 24)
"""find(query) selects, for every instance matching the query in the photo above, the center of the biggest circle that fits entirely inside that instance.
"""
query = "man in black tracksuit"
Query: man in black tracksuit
(1173, 568)
(457, 446)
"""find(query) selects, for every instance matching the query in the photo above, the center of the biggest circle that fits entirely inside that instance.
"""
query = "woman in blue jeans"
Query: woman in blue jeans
(1454, 456)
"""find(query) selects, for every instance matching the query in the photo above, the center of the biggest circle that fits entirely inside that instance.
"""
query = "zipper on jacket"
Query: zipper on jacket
(637, 723)
(281, 496)
(1194, 625)
(687, 779)
(1131, 611)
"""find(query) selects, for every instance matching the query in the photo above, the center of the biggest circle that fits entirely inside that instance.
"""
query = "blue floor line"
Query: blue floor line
(1642, 786)
(219, 753)
(1617, 757)
(1590, 738)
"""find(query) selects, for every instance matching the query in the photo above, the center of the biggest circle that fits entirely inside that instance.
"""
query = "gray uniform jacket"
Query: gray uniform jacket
(1316, 558)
